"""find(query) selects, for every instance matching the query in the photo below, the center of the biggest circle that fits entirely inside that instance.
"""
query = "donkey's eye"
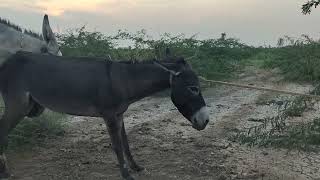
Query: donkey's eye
(194, 89)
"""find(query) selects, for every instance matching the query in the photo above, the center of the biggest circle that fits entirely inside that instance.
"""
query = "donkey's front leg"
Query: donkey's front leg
(114, 125)
(133, 165)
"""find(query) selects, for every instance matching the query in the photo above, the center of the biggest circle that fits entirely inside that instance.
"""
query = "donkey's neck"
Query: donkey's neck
(142, 80)
(16, 40)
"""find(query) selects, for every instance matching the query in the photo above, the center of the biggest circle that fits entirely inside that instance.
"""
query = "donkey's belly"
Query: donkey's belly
(82, 111)
(68, 88)
(70, 106)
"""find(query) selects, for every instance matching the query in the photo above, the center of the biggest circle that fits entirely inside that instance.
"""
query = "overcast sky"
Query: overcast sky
(256, 22)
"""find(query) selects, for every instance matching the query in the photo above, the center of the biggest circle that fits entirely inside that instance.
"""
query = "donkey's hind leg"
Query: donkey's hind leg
(132, 164)
(16, 107)
(3, 167)
(114, 124)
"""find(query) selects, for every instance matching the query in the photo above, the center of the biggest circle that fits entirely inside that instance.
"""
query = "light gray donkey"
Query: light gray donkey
(13, 39)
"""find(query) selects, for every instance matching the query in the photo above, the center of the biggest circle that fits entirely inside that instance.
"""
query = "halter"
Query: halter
(170, 79)
(172, 75)
(21, 40)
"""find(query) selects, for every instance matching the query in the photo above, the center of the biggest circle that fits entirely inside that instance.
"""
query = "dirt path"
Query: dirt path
(166, 145)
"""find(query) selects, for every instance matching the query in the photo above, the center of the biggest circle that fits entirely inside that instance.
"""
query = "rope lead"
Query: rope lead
(260, 88)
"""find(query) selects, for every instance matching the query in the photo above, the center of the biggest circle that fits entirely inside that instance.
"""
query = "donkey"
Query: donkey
(89, 86)
(13, 39)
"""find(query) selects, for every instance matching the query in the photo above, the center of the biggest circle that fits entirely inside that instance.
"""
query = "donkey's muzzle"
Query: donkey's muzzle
(200, 119)
(198, 127)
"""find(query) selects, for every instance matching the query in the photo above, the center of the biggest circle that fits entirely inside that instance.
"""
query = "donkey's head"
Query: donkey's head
(51, 45)
(185, 92)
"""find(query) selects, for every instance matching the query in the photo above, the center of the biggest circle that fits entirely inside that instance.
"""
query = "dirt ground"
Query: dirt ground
(169, 148)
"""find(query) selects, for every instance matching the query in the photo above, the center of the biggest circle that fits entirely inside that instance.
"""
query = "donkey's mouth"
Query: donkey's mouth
(198, 127)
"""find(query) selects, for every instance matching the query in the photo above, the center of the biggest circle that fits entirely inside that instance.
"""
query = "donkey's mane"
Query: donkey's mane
(33, 34)
(19, 28)
(9, 24)
(151, 61)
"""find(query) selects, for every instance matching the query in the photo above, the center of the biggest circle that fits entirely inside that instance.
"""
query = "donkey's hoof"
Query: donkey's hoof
(129, 178)
(137, 168)
(4, 175)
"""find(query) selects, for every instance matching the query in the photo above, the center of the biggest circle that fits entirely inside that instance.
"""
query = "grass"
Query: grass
(35, 131)
(278, 132)
(266, 99)
(296, 107)
(264, 58)
(298, 61)
(303, 136)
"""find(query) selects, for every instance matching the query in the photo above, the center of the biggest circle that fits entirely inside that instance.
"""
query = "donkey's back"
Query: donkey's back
(13, 40)
(70, 85)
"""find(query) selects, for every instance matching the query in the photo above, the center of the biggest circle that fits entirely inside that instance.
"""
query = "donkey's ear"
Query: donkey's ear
(173, 72)
(168, 52)
(47, 31)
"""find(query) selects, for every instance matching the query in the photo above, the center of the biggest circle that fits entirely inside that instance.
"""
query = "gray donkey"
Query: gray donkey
(89, 86)
(12, 39)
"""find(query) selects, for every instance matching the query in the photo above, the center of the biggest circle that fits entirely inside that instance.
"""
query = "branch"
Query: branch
(306, 8)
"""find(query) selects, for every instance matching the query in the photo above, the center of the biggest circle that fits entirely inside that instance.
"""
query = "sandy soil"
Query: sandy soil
(166, 145)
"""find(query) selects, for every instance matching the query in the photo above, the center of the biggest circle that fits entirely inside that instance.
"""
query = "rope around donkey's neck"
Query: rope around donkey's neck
(259, 88)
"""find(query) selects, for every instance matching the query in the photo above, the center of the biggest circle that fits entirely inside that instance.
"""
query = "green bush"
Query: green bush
(299, 60)
(213, 58)
(84, 43)
(303, 136)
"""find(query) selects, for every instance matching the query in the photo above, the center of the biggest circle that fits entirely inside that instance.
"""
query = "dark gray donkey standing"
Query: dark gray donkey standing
(89, 86)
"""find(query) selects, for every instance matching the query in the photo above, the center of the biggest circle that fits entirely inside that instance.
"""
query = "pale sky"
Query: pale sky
(256, 22)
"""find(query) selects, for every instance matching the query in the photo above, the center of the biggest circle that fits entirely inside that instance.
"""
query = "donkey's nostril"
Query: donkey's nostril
(206, 122)
(195, 121)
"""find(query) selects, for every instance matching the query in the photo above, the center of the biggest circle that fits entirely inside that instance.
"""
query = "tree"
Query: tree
(223, 36)
(306, 8)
